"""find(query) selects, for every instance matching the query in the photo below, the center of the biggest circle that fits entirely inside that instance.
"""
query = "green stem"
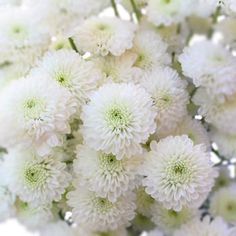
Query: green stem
(137, 12)
(214, 21)
(72, 44)
(114, 6)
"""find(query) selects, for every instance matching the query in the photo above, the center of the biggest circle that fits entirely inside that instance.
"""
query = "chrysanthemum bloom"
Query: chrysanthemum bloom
(34, 179)
(105, 35)
(61, 16)
(229, 6)
(104, 174)
(22, 38)
(155, 232)
(177, 173)
(193, 129)
(223, 204)
(118, 119)
(220, 114)
(59, 228)
(71, 71)
(32, 217)
(99, 214)
(170, 97)
(169, 220)
(205, 8)
(35, 112)
(7, 203)
(217, 227)
(167, 12)
(210, 66)
(226, 142)
(150, 50)
(118, 69)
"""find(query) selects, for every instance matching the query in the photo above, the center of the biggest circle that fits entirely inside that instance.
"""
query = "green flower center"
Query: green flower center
(63, 78)
(178, 172)
(33, 108)
(35, 175)
(118, 117)
(102, 205)
(18, 31)
(110, 164)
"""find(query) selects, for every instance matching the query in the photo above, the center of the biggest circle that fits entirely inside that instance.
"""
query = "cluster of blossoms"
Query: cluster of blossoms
(118, 116)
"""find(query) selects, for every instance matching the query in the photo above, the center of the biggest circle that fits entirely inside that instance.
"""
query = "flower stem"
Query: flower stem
(114, 6)
(137, 12)
(72, 44)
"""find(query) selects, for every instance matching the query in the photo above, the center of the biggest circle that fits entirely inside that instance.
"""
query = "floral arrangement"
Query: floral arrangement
(118, 117)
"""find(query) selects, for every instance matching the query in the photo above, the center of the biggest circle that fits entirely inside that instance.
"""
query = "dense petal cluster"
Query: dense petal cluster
(118, 119)
(177, 173)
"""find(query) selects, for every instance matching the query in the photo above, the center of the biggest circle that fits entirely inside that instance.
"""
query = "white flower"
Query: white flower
(118, 69)
(210, 66)
(33, 217)
(71, 71)
(104, 174)
(193, 129)
(105, 35)
(229, 6)
(144, 202)
(35, 112)
(170, 97)
(205, 8)
(22, 38)
(64, 15)
(10, 2)
(219, 114)
(169, 220)
(99, 214)
(217, 227)
(34, 179)
(150, 50)
(225, 142)
(7, 200)
(88, 232)
(167, 12)
(177, 173)
(58, 228)
(223, 203)
(118, 119)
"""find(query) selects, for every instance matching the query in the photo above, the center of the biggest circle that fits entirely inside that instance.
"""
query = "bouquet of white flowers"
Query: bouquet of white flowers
(117, 117)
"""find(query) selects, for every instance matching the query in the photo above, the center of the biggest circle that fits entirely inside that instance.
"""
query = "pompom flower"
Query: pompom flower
(99, 214)
(223, 204)
(118, 119)
(167, 12)
(220, 114)
(177, 173)
(169, 95)
(104, 174)
(35, 112)
(169, 220)
(150, 49)
(71, 71)
(37, 181)
(105, 35)
(217, 227)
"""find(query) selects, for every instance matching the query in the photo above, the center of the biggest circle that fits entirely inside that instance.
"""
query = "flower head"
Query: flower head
(105, 35)
(177, 173)
(35, 112)
(104, 174)
(37, 181)
(99, 214)
(118, 119)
